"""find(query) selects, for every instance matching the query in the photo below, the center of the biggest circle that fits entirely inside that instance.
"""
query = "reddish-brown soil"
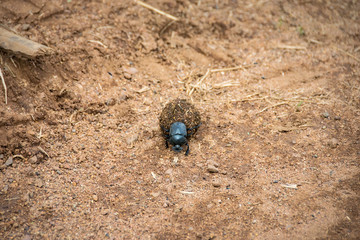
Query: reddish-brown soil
(277, 155)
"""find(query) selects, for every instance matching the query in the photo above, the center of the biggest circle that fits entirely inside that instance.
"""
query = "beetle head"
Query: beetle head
(177, 148)
(177, 141)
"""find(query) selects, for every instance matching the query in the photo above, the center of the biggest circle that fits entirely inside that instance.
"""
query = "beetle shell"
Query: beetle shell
(180, 110)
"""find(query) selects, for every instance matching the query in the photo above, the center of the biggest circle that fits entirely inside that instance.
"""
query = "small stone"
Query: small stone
(128, 76)
(337, 118)
(215, 164)
(9, 161)
(155, 194)
(333, 143)
(110, 102)
(175, 161)
(33, 159)
(130, 70)
(212, 169)
(25, 27)
(169, 171)
(131, 139)
(1, 156)
(216, 184)
(105, 212)
(223, 172)
(39, 183)
(95, 198)
(325, 115)
(123, 96)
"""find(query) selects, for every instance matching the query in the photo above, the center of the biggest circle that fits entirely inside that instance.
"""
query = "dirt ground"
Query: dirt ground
(277, 155)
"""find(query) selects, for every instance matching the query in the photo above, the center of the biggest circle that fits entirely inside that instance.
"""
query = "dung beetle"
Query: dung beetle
(179, 120)
(177, 136)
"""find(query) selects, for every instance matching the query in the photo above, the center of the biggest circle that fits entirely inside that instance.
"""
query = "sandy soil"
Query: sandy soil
(277, 155)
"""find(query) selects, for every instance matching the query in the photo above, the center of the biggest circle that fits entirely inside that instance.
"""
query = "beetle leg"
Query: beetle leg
(197, 126)
(166, 130)
(166, 143)
(189, 129)
(187, 150)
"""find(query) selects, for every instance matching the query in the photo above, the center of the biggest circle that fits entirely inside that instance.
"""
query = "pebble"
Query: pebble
(326, 115)
(33, 159)
(110, 102)
(122, 96)
(39, 183)
(130, 70)
(175, 161)
(25, 27)
(333, 143)
(131, 139)
(155, 194)
(212, 169)
(127, 76)
(337, 118)
(223, 172)
(211, 162)
(95, 197)
(216, 184)
(9, 161)
(1, 156)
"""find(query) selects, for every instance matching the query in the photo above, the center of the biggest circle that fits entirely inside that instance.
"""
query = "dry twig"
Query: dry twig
(4, 84)
(156, 10)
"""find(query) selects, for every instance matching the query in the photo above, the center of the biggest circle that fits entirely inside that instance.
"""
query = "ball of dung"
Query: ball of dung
(180, 110)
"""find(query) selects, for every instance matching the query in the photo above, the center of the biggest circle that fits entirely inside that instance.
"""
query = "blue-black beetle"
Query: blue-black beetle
(178, 121)
(177, 136)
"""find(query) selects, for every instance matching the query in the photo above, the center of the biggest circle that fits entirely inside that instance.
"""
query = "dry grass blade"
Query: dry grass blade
(226, 84)
(275, 105)
(228, 69)
(291, 47)
(4, 84)
(156, 10)
(197, 85)
(220, 85)
(349, 54)
(98, 42)
(288, 185)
